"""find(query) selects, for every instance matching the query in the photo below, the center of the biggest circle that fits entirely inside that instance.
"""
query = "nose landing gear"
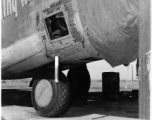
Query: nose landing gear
(50, 94)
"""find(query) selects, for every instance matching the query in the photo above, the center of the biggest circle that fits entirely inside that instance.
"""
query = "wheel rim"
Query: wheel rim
(43, 93)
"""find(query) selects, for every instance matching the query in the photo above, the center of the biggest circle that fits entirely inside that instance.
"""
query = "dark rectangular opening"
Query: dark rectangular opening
(56, 26)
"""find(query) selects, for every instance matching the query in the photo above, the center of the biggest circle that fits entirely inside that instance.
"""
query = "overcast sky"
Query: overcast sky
(97, 68)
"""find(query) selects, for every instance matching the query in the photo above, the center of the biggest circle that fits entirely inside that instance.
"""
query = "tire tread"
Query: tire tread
(62, 104)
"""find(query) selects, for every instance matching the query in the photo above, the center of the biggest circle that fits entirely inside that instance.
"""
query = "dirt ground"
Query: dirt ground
(16, 104)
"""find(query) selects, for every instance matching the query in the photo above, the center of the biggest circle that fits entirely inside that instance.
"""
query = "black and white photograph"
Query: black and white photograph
(76, 60)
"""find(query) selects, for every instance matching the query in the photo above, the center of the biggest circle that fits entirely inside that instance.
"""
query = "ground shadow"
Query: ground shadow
(125, 106)
(16, 97)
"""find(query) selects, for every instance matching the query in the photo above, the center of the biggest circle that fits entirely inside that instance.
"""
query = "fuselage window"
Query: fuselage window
(57, 26)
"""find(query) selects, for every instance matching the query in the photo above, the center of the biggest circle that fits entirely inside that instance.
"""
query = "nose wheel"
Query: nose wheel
(50, 92)
(50, 99)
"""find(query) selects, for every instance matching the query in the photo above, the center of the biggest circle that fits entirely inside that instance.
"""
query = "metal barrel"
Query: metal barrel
(110, 85)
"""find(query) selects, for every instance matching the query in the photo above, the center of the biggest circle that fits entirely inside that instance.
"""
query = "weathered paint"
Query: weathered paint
(28, 45)
(20, 51)
(25, 37)
(69, 40)
(9, 7)
(24, 2)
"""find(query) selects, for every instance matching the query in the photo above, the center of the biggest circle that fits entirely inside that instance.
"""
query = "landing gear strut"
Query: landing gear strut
(50, 93)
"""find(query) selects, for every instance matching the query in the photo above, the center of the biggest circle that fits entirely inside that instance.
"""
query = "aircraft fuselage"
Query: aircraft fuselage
(35, 31)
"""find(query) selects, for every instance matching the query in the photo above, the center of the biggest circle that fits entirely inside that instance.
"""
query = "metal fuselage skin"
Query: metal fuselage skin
(28, 40)
(26, 44)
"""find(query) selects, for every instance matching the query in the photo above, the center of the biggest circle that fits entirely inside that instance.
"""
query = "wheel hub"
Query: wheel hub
(43, 93)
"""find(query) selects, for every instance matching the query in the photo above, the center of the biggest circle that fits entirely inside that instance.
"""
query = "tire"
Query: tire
(58, 103)
(79, 80)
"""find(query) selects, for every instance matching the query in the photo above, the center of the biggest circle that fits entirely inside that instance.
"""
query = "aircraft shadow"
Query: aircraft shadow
(16, 97)
(124, 107)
